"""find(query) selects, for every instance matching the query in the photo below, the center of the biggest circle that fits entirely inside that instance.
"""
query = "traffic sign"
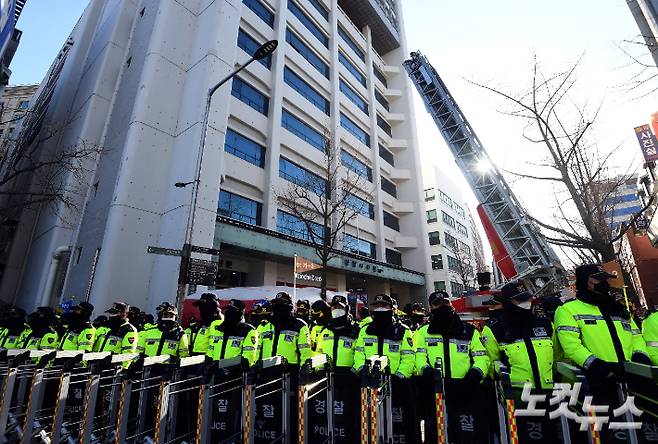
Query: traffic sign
(201, 272)
(164, 251)
(204, 250)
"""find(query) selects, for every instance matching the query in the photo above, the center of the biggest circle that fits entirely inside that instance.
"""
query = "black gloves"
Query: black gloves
(641, 358)
(428, 372)
(472, 377)
(602, 370)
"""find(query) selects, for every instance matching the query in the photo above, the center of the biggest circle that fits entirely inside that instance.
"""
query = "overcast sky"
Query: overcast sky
(481, 40)
(493, 42)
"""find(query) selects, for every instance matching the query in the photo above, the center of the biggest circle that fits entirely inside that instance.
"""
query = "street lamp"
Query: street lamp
(263, 51)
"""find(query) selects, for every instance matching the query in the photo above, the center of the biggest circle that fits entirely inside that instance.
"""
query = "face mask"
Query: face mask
(232, 317)
(527, 305)
(602, 288)
(338, 313)
(115, 322)
(384, 317)
(442, 314)
(281, 312)
(167, 324)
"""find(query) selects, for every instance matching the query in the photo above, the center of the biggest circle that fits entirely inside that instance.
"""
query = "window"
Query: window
(380, 75)
(383, 124)
(437, 262)
(389, 187)
(293, 226)
(24, 104)
(434, 237)
(439, 285)
(244, 148)
(354, 129)
(386, 155)
(308, 23)
(464, 248)
(250, 45)
(302, 177)
(320, 8)
(260, 10)
(431, 216)
(302, 130)
(451, 242)
(429, 194)
(250, 95)
(617, 212)
(354, 97)
(453, 264)
(391, 221)
(359, 246)
(393, 257)
(457, 290)
(239, 208)
(351, 68)
(306, 90)
(359, 205)
(355, 165)
(351, 43)
(445, 198)
(306, 52)
(447, 219)
(461, 229)
(458, 208)
(382, 100)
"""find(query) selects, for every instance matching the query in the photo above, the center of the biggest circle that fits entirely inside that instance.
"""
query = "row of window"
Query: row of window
(302, 130)
(298, 45)
(355, 129)
(267, 16)
(354, 97)
(456, 289)
(250, 95)
(249, 45)
(430, 195)
(342, 58)
(352, 163)
(250, 212)
(298, 175)
(306, 90)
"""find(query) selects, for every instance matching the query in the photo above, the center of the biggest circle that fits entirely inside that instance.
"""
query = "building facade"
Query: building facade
(137, 90)
(456, 250)
(622, 202)
(645, 13)
(14, 104)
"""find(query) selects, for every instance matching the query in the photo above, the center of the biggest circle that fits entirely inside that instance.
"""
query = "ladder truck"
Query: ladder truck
(520, 250)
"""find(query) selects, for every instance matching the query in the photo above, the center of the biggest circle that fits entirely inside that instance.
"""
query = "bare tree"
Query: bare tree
(572, 162)
(640, 54)
(325, 204)
(466, 263)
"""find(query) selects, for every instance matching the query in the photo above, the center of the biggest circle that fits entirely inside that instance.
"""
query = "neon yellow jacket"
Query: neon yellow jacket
(243, 341)
(155, 342)
(291, 340)
(650, 334)
(397, 345)
(584, 334)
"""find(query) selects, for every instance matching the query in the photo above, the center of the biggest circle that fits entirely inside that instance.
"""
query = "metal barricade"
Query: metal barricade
(140, 390)
(315, 397)
(267, 402)
(643, 386)
(440, 411)
(376, 410)
(223, 403)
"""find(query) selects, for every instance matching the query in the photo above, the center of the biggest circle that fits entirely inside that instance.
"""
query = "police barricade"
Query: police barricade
(643, 386)
(315, 420)
(376, 407)
(141, 389)
(224, 403)
(524, 415)
(267, 402)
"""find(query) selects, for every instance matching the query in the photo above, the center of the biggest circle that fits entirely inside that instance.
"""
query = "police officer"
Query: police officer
(320, 314)
(234, 337)
(339, 337)
(417, 316)
(285, 335)
(364, 316)
(595, 331)
(464, 363)
(494, 305)
(167, 338)
(259, 313)
(120, 336)
(40, 334)
(650, 334)
(205, 328)
(521, 339)
(135, 318)
(149, 321)
(385, 336)
(303, 311)
(80, 334)
(14, 329)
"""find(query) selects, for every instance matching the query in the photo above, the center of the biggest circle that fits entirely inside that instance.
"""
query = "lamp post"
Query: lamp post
(263, 51)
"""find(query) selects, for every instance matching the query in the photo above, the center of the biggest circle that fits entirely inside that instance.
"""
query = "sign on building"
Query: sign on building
(648, 143)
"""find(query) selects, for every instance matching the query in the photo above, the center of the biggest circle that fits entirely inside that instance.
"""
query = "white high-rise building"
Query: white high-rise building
(456, 250)
(132, 80)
